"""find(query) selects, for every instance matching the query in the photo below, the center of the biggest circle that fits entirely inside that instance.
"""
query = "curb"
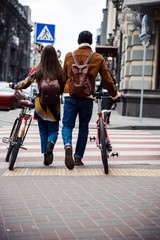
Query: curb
(136, 127)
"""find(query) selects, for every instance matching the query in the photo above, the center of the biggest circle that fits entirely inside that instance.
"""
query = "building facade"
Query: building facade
(15, 28)
(125, 32)
(130, 20)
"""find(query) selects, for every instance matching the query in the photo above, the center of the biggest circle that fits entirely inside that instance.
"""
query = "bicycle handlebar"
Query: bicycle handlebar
(28, 98)
(98, 95)
(27, 103)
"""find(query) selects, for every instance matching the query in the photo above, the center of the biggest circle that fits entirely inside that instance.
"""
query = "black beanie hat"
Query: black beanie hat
(85, 37)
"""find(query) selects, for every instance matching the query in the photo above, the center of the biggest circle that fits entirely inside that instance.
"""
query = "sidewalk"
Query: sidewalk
(118, 121)
(103, 207)
(54, 203)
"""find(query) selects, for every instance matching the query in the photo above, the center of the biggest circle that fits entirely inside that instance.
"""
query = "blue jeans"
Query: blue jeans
(83, 107)
(48, 132)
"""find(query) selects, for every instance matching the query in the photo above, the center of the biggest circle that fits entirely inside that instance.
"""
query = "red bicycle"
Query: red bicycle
(102, 140)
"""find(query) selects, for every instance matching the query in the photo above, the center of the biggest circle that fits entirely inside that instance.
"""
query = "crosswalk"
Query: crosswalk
(133, 147)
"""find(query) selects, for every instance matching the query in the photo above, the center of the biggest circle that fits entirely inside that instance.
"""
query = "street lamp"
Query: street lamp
(117, 4)
(58, 53)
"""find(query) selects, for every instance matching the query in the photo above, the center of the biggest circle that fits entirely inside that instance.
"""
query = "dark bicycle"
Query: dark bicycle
(18, 132)
(102, 140)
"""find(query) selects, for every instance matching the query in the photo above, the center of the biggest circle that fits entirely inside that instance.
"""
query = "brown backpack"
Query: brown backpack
(50, 91)
(80, 84)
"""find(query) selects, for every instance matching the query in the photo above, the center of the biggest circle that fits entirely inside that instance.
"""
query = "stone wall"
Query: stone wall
(129, 105)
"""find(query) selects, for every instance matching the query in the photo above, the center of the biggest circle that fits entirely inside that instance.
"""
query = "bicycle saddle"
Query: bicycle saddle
(27, 103)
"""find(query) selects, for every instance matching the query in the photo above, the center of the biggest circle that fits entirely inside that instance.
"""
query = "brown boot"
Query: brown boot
(68, 158)
(78, 162)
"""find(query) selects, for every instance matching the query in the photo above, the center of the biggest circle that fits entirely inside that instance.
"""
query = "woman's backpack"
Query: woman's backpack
(50, 91)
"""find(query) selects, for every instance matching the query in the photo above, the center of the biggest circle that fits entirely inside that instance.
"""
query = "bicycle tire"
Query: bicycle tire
(104, 151)
(9, 152)
(13, 136)
(14, 153)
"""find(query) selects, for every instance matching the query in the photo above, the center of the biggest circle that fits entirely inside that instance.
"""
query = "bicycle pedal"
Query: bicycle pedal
(24, 148)
(92, 139)
(114, 154)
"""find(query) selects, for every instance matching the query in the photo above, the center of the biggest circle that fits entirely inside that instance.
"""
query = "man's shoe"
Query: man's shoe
(48, 156)
(68, 158)
(78, 162)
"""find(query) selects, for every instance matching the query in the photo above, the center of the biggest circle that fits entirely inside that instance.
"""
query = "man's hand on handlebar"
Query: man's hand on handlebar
(120, 95)
(99, 95)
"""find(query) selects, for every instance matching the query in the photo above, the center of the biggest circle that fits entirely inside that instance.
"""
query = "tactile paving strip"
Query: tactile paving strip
(82, 172)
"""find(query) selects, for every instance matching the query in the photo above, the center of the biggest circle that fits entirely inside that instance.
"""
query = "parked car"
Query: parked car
(9, 98)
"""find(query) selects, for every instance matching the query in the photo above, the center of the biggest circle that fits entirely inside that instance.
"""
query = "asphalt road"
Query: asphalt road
(7, 117)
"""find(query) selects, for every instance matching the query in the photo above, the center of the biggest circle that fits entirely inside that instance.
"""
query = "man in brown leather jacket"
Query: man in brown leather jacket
(80, 105)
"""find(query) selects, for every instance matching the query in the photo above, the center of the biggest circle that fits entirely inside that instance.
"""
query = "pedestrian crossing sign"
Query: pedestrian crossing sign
(45, 33)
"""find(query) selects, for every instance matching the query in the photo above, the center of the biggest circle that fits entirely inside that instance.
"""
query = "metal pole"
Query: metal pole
(143, 73)
(34, 45)
(119, 60)
(8, 58)
(104, 27)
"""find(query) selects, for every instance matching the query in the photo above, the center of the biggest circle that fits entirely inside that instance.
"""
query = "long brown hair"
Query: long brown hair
(49, 66)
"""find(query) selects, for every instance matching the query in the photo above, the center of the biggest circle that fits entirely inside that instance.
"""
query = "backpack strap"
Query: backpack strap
(89, 57)
(75, 61)
(86, 62)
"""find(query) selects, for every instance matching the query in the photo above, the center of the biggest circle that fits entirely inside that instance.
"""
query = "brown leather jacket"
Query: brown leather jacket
(97, 65)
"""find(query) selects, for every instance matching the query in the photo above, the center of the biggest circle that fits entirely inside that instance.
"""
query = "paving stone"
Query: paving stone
(83, 207)
(49, 235)
(94, 233)
(51, 225)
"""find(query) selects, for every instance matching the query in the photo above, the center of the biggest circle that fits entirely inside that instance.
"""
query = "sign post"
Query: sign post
(145, 42)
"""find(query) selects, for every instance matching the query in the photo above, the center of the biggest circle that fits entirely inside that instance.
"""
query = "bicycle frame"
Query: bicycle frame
(19, 128)
(25, 117)
(105, 128)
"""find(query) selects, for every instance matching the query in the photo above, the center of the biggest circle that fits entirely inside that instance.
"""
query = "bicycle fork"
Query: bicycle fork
(108, 143)
(23, 131)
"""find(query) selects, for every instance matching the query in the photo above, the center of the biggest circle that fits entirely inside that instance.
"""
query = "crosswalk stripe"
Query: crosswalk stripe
(120, 140)
(133, 146)
(88, 153)
(119, 146)
(90, 132)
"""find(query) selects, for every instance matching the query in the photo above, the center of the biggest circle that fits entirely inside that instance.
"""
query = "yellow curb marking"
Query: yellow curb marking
(82, 172)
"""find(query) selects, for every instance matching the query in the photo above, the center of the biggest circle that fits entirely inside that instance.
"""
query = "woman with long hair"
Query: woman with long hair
(48, 114)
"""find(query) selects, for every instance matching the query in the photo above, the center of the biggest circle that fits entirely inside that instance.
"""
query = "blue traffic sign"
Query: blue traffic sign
(45, 33)
(144, 28)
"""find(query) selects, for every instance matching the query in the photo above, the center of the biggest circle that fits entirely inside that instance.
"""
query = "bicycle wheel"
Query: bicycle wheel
(14, 153)
(104, 151)
(13, 136)
(9, 152)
